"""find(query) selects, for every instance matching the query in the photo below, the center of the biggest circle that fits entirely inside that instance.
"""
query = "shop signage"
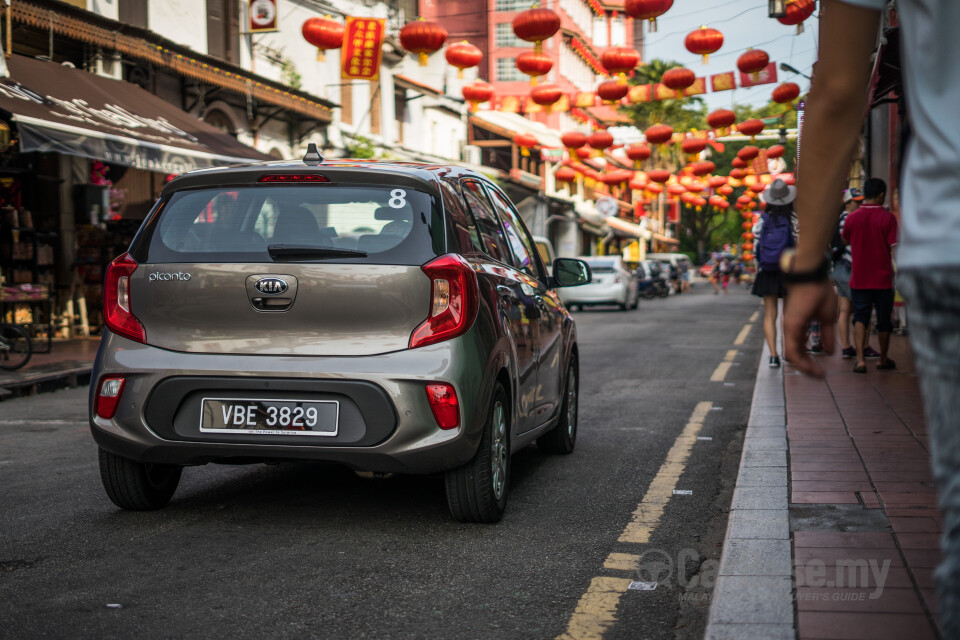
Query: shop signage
(262, 16)
(362, 48)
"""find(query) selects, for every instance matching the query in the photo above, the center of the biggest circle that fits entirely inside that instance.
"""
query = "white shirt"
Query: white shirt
(930, 190)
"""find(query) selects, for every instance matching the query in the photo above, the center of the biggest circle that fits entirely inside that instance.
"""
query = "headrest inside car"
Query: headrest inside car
(389, 213)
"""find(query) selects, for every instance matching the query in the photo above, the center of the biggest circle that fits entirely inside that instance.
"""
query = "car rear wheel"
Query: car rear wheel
(477, 491)
(562, 438)
(137, 486)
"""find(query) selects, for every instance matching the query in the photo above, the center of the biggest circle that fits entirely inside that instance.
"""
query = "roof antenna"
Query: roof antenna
(312, 157)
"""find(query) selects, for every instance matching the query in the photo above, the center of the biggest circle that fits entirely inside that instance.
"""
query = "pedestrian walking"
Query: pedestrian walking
(775, 233)
(842, 257)
(725, 269)
(871, 232)
(928, 256)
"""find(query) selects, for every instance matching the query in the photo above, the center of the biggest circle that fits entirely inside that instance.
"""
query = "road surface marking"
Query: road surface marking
(731, 354)
(742, 337)
(621, 562)
(647, 516)
(755, 316)
(721, 372)
(597, 609)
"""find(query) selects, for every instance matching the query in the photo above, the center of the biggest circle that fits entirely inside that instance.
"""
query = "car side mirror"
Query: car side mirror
(570, 272)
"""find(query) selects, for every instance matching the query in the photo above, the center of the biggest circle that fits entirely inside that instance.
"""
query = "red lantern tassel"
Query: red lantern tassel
(424, 58)
(321, 57)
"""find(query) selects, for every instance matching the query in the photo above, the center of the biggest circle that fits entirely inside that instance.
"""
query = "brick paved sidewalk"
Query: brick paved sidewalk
(861, 498)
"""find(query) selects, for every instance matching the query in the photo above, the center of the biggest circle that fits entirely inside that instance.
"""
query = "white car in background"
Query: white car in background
(612, 284)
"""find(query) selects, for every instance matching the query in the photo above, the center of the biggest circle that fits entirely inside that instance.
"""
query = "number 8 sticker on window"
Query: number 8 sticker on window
(398, 199)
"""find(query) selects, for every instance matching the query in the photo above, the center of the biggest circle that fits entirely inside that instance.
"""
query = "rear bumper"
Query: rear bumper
(393, 428)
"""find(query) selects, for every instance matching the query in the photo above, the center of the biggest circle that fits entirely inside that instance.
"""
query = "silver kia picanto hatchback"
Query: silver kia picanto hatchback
(391, 317)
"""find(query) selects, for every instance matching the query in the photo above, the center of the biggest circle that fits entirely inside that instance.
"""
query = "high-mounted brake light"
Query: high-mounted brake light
(444, 404)
(454, 298)
(116, 300)
(108, 397)
(293, 177)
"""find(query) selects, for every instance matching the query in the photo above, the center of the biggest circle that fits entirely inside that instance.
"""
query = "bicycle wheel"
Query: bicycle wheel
(15, 347)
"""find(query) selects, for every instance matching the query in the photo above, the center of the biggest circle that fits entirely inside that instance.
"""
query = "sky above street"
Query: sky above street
(744, 23)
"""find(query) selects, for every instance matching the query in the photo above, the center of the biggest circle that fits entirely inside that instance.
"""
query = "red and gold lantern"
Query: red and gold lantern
(647, 10)
(573, 140)
(702, 168)
(753, 61)
(703, 42)
(422, 37)
(750, 127)
(786, 93)
(565, 174)
(638, 153)
(721, 119)
(600, 140)
(612, 90)
(775, 151)
(323, 33)
(797, 12)
(658, 134)
(716, 182)
(725, 190)
(739, 163)
(658, 175)
(546, 95)
(536, 25)
(748, 153)
(737, 174)
(693, 146)
(534, 64)
(619, 61)
(679, 79)
(477, 92)
(525, 141)
(463, 55)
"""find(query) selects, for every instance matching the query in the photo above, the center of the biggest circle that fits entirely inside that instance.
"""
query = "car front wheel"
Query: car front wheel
(136, 486)
(477, 491)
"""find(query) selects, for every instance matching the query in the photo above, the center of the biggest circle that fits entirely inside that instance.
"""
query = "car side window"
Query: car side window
(462, 223)
(487, 223)
(521, 243)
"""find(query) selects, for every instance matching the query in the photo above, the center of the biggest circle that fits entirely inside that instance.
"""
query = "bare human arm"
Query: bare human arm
(834, 115)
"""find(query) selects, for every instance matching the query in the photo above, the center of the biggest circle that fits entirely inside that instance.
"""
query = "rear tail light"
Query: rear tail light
(116, 300)
(293, 177)
(108, 397)
(453, 301)
(443, 402)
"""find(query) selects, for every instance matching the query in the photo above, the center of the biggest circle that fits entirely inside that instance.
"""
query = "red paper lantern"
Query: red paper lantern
(744, 199)
(463, 55)
(565, 174)
(676, 189)
(536, 25)
(747, 246)
(750, 127)
(653, 187)
(693, 145)
(748, 153)
(737, 174)
(721, 118)
(612, 90)
(753, 61)
(658, 175)
(618, 176)
(647, 10)
(703, 42)
(716, 182)
(637, 184)
(679, 79)
(775, 151)
(477, 92)
(748, 256)
(422, 37)
(546, 94)
(699, 201)
(534, 64)
(702, 168)
(658, 134)
(323, 33)
(757, 188)
(638, 152)
(788, 178)
(525, 141)
(600, 139)
(739, 163)
(584, 152)
(619, 61)
(696, 187)
(725, 189)
(573, 139)
(786, 93)
(797, 12)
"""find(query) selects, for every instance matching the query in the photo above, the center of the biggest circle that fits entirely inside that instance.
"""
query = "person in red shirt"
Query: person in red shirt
(871, 232)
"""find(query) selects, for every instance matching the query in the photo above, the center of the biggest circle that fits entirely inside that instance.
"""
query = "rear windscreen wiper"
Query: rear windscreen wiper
(302, 252)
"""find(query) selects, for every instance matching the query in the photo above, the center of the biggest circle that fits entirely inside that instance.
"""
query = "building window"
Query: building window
(505, 37)
(514, 5)
(507, 70)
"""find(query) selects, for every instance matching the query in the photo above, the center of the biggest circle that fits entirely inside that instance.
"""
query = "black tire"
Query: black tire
(136, 486)
(15, 347)
(563, 437)
(475, 493)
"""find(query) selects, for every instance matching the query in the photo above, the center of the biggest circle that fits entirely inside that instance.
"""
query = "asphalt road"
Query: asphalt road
(295, 551)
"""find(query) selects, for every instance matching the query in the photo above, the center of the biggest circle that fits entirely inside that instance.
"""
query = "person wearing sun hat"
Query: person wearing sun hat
(775, 232)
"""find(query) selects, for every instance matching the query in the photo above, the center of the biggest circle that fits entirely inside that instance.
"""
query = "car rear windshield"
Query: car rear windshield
(296, 223)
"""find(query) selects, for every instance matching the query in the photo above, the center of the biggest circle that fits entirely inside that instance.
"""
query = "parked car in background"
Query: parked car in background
(612, 284)
(547, 254)
(387, 317)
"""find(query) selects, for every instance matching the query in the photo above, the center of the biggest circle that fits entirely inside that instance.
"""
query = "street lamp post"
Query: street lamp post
(777, 8)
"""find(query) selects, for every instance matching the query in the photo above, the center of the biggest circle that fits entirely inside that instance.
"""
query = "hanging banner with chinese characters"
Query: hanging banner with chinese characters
(723, 82)
(362, 48)
(262, 16)
(767, 75)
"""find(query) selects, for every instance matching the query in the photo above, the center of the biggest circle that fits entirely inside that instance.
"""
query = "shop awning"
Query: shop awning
(59, 109)
(508, 124)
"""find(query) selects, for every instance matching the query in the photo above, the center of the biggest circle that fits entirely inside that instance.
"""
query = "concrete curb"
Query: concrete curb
(30, 383)
(753, 596)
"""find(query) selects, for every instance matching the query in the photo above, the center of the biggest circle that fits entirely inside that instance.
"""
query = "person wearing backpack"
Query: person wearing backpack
(775, 232)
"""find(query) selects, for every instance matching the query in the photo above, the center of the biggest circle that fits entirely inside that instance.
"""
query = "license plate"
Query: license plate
(270, 417)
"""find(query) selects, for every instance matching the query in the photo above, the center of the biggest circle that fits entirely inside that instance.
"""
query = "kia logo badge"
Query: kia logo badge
(271, 286)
